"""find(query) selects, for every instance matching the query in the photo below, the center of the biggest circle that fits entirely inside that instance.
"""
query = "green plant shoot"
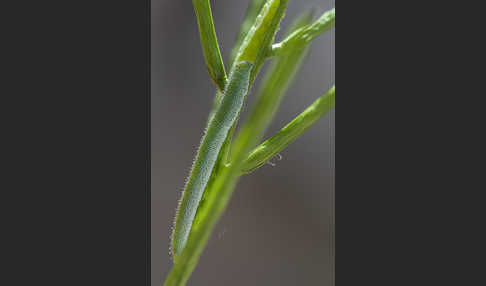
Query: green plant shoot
(209, 42)
(305, 35)
(274, 145)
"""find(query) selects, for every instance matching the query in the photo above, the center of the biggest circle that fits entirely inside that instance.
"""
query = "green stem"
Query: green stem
(305, 35)
(209, 42)
(290, 132)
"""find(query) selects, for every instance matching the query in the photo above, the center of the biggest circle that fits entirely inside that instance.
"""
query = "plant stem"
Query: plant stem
(290, 132)
(209, 42)
(305, 35)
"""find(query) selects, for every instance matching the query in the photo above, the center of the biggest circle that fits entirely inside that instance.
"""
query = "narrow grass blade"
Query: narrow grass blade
(209, 42)
(208, 153)
(305, 35)
(290, 132)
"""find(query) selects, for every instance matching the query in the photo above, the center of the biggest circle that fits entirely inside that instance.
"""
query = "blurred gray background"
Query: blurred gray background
(278, 228)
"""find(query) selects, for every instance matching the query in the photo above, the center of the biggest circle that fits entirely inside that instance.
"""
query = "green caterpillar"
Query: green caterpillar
(221, 123)
(208, 152)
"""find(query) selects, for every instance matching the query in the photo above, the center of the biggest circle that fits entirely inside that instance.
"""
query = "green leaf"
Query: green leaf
(290, 132)
(305, 35)
(209, 42)
(208, 153)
